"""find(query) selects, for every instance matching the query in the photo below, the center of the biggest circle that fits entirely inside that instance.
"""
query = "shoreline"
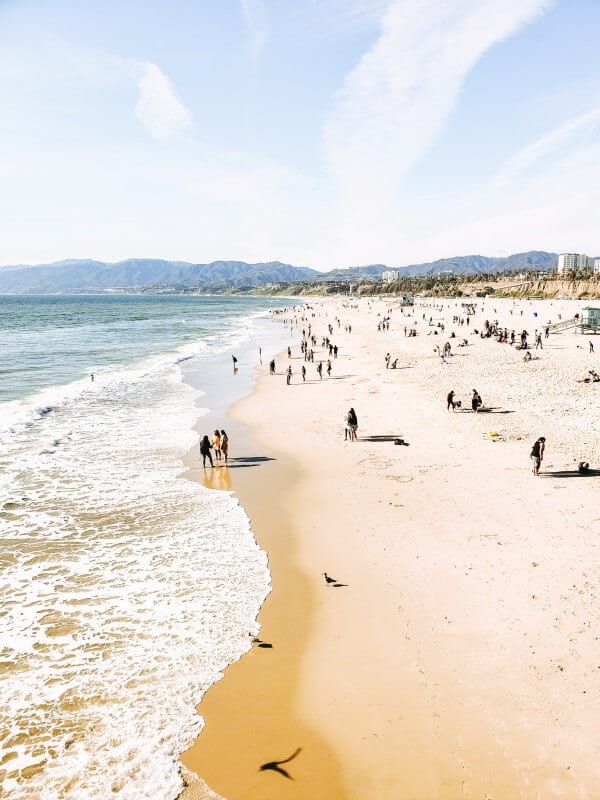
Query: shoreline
(272, 673)
(456, 661)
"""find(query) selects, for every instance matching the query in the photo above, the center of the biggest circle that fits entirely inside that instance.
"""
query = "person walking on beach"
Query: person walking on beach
(352, 424)
(320, 370)
(288, 375)
(234, 363)
(217, 445)
(450, 400)
(260, 355)
(537, 454)
(205, 451)
(591, 344)
(329, 369)
(272, 366)
(289, 352)
(303, 373)
(224, 445)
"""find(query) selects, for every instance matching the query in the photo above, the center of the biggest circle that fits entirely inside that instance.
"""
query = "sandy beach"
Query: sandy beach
(460, 659)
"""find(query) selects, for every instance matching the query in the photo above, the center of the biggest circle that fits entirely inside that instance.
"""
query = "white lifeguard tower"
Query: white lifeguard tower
(590, 320)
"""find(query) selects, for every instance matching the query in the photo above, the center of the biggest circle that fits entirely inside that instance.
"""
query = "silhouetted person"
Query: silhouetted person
(272, 366)
(537, 454)
(234, 363)
(275, 766)
(205, 451)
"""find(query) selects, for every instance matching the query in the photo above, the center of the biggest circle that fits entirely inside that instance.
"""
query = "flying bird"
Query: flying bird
(275, 766)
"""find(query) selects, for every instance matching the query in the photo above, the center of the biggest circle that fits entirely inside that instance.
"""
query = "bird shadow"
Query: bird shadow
(260, 643)
(275, 766)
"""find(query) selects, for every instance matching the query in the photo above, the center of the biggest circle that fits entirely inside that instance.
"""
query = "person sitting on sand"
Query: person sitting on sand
(591, 377)
(394, 364)
(476, 401)
(527, 356)
(205, 451)
(537, 454)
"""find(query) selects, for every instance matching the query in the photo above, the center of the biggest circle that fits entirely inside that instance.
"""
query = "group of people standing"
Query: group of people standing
(220, 445)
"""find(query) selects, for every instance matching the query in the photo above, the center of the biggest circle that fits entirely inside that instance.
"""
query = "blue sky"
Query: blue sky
(318, 132)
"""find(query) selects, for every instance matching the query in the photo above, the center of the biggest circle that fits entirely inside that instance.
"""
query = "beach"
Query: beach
(459, 657)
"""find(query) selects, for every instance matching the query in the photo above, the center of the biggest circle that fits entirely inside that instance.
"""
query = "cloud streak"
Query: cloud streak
(256, 24)
(158, 108)
(575, 131)
(393, 105)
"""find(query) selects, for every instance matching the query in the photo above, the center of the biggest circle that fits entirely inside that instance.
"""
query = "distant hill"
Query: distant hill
(76, 276)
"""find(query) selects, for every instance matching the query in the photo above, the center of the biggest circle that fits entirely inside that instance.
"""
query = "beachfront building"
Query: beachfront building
(597, 266)
(390, 275)
(572, 262)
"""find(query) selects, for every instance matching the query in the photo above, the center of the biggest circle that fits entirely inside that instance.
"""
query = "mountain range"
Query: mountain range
(75, 276)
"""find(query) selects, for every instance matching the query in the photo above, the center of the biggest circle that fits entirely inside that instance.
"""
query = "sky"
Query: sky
(322, 133)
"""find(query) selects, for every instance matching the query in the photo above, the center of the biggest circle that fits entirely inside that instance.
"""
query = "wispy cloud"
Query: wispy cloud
(393, 105)
(575, 132)
(158, 107)
(255, 19)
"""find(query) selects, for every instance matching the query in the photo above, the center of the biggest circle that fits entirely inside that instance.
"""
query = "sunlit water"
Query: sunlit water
(116, 574)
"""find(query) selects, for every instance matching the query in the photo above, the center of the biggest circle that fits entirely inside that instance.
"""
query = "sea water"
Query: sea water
(125, 589)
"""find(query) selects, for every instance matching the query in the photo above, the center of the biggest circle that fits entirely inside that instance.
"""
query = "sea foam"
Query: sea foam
(118, 576)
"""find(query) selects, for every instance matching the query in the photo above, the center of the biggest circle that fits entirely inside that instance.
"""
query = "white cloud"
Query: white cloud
(394, 103)
(158, 107)
(256, 24)
(575, 132)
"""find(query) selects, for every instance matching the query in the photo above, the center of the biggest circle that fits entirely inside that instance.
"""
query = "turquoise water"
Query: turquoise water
(48, 341)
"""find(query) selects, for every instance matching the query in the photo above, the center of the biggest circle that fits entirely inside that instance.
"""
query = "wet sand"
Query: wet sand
(461, 659)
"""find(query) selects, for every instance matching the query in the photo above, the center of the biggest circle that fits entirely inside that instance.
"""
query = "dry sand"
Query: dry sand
(462, 659)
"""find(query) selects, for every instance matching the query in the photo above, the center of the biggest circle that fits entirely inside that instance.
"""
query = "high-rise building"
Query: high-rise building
(596, 266)
(390, 275)
(568, 262)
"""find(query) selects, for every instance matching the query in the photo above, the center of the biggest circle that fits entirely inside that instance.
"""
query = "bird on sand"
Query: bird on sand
(329, 580)
(275, 766)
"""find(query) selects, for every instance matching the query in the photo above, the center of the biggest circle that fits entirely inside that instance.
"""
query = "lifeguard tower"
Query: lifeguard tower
(590, 320)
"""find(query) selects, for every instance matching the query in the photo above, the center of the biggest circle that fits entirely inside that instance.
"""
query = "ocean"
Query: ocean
(116, 572)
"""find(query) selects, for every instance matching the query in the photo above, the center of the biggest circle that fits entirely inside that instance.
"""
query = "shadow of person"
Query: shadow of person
(574, 473)
(275, 766)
